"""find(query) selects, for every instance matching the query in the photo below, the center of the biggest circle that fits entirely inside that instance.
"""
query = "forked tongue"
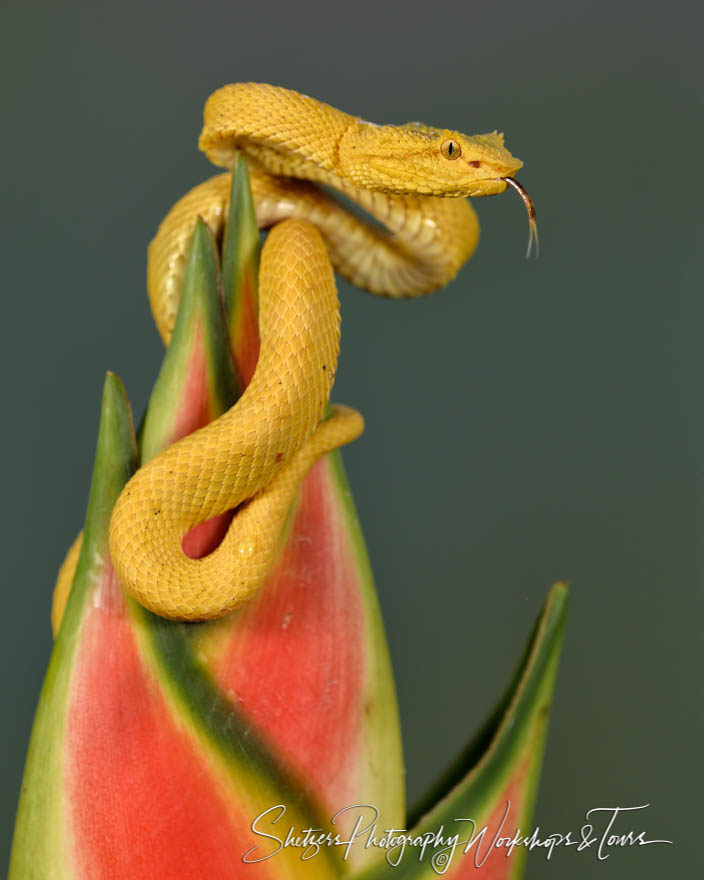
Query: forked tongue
(532, 222)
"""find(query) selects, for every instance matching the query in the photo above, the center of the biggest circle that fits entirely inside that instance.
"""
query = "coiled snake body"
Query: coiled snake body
(259, 451)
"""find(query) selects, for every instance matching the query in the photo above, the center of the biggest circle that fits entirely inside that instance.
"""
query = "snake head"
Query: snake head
(415, 158)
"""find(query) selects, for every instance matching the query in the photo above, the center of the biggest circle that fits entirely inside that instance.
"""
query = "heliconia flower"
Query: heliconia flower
(157, 745)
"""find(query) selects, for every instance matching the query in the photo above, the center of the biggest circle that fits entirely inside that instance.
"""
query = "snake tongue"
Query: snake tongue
(532, 221)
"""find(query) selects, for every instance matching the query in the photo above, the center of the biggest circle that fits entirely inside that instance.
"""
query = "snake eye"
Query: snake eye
(451, 149)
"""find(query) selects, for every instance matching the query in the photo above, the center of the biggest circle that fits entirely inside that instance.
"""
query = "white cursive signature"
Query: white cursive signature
(440, 845)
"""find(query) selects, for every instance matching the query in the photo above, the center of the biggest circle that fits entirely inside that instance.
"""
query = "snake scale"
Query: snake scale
(414, 180)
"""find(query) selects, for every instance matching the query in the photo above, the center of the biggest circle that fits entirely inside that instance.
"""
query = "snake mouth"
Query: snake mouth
(530, 207)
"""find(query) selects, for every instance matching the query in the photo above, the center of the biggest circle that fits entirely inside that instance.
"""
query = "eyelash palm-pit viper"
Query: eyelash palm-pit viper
(411, 178)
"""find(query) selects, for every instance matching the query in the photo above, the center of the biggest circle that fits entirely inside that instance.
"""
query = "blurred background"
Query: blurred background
(533, 421)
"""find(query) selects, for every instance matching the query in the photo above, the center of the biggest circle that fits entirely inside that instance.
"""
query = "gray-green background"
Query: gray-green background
(533, 421)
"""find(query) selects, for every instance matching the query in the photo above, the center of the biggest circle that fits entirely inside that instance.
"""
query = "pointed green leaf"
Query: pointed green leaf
(196, 382)
(40, 846)
(240, 273)
(494, 782)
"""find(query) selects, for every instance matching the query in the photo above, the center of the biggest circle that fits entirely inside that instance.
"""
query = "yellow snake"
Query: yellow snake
(259, 451)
